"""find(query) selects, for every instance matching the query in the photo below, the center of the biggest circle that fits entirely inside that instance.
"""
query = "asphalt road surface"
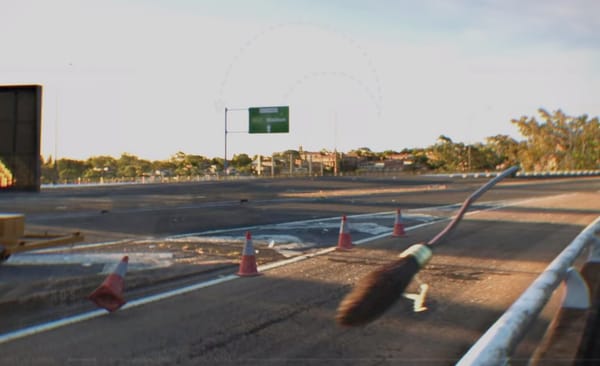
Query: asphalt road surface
(286, 316)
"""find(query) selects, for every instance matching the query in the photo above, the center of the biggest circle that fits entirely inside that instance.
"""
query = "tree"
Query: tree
(70, 169)
(163, 167)
(242, 162)
(446, 155)
(101, 167)
(189, 165)
(365, 153)
(286, 155)
(49, 172)
(482, 157)
(586, 143)
(386, 154)
(130, 166)
(217, 164)
(505, 148)
(560, 142)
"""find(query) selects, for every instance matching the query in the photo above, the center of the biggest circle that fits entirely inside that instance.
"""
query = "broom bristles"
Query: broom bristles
(376, 292)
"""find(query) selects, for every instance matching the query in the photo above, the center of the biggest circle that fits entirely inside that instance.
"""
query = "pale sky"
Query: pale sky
(152, 77)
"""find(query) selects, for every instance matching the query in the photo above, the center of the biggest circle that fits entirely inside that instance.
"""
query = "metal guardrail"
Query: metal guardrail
(496, 346)
(524, 174)
(559, 173)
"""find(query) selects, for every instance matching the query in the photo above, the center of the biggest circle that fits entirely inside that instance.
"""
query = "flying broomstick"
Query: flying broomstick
(376, 292)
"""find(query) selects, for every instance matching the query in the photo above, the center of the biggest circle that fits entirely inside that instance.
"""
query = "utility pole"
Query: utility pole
(225, 156)
(272, 165)
(55, 177)
(335, 162)
(469, 157)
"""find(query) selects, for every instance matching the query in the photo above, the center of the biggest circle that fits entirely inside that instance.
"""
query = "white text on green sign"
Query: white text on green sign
(269, 119)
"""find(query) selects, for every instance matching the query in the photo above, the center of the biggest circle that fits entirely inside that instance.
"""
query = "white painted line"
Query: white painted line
(7, 337)
(269, 266)
(286, 224)
(82, 246)
(325, 219)
(176, 292)
(40, 328)
(137, 260)
(35, 329)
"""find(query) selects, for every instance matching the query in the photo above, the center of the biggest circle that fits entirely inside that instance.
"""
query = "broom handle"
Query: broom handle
(475, 195)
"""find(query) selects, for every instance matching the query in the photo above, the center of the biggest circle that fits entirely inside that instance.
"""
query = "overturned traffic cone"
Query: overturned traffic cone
(109, 295)
(398, 227)
(248, 263)
(344, 241)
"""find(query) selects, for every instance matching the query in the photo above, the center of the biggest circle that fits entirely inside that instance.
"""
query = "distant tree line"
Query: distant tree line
(559, 142)
(554, 142)
(129, 167)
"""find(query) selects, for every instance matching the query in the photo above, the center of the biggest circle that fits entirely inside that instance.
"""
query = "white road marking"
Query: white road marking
(137, 260)
(82, 246)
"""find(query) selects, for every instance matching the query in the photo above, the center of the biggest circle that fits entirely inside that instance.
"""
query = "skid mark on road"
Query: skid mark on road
(285, 314)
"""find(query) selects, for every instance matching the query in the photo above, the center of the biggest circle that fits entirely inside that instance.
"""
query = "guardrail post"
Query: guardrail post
(499, 341)
(591, 272)
(594, 255)
(577, 295)
(564, 334)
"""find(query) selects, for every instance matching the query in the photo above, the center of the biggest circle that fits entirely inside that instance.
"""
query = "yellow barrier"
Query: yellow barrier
(13, 238)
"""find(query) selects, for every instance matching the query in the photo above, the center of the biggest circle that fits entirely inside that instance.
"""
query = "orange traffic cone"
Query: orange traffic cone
(398, 227)
(344, 241)
(109, 295)
(248, 263)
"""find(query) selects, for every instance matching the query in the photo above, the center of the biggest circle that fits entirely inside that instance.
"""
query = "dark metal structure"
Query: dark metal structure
(20, 134)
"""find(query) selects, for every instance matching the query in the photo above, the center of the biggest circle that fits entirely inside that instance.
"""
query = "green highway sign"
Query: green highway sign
(269, 120)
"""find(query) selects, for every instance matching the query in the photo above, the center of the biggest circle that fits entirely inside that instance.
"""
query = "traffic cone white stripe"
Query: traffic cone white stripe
(248, 263)
(109, 295)
(344, 240)
(398, 227)
(248, 247)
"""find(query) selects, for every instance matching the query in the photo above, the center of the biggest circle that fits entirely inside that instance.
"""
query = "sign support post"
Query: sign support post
(226, 132)
(261, 120)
